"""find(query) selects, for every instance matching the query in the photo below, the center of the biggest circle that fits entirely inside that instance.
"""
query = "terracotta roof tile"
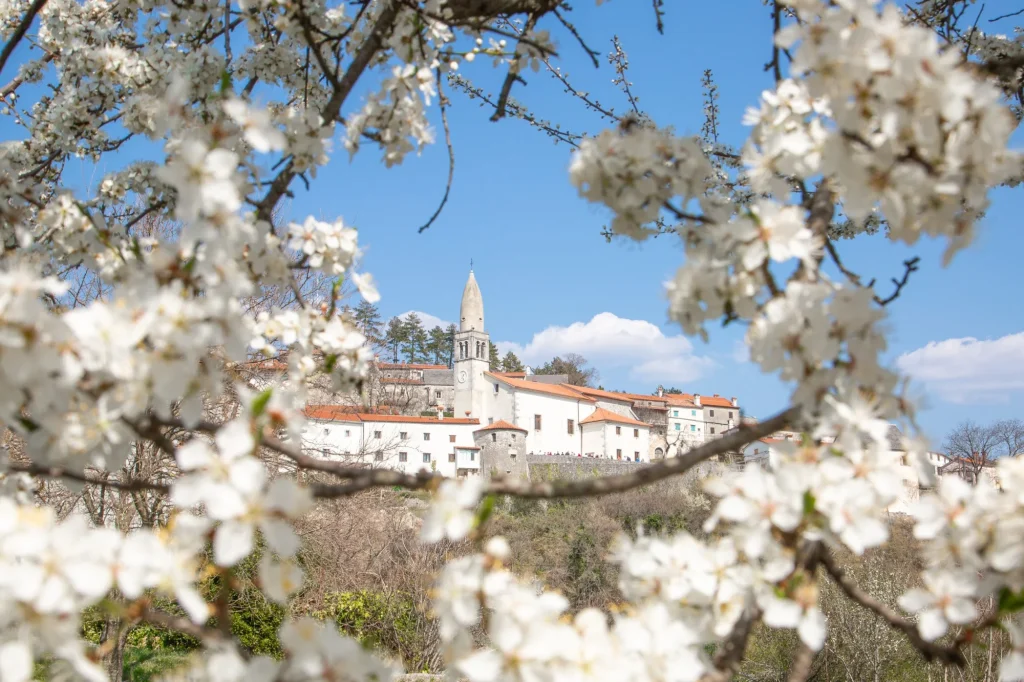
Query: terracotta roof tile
(560, 390)
(715, 401)
(616, 395)
(339, 413)
(603, 415)
(501, 425)
(403, 365)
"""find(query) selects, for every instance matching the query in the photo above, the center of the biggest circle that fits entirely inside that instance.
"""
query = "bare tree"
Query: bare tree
(972, 447)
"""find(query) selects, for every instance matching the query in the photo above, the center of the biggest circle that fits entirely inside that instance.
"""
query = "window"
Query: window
(677, 427)
(693, 427)
(618, 454)
(618, 430)
(712, 429)
(569, 427)
(536, 422)
(494, 438)
(347, 433)
(490, 420)
(675, 413)
(378, 456)
(711, 413)
(513, 436)
(437, 394)
(495, 389)
(404, 435)
(403, 456)
(636, 433)
(451, 456)
(693, 413)
(730, 414)
(426, 458)
(451, 438)
(426, 436)
(472, 456)
(636, 455)
(376, 434)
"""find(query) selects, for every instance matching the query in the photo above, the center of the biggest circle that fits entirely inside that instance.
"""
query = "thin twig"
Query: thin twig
(513, 72)
(80, 477)
(443, 104)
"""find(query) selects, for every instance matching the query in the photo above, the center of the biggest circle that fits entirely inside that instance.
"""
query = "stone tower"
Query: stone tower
(472, 348)
(502, 451)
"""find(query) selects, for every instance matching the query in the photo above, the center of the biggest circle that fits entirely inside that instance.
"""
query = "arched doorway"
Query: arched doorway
(659, 453)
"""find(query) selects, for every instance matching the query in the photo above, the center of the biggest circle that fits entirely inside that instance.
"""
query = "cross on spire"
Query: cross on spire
(471, 265)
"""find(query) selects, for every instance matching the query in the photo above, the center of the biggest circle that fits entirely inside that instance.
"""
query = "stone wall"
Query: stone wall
(502, 452)
(546, 468)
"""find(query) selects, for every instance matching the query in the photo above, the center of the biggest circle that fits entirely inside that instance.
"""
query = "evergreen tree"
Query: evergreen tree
(415, 338)
(493, 359)
(367, 318)
(394, 337)
(511, 363)
(448, 356)
(437, 346)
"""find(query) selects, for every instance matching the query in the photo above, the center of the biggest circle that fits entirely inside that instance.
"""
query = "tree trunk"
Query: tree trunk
(113, 661)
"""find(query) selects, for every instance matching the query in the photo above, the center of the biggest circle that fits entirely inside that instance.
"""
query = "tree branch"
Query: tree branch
(361, 478)
(131, 485)
(20, 31)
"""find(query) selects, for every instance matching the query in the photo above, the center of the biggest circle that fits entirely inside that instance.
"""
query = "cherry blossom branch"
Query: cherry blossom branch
(20, 31)
(513, 73)
(728, 658)
(367, 51)
(930, 650)
(910, 266)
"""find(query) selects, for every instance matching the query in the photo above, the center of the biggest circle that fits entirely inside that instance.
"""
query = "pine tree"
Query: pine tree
(511, 363)
(437, 346)
(448, 354)
(367, 318)
(415, 338)
(394, 337)
(493, 358)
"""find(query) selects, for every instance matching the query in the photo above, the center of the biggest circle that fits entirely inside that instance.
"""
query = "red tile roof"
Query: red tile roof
(403, 365)
(501, 425)
(610, 395)
(715, 401)
(560, 390)
(680, 400)
(340, 413)
(603, 415)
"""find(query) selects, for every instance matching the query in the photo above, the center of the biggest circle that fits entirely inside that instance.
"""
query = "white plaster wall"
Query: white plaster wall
(625, 440)
(593, 439)
(358, 439)
(498, 404)
(555, 412)
(680, 421)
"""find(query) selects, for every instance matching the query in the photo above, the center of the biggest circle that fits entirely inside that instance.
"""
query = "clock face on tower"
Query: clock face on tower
(462, 377)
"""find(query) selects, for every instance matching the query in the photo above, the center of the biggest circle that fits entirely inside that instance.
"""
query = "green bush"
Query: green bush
(389, 623)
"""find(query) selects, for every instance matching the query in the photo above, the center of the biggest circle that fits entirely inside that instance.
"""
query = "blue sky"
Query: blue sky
(545, 271)
(552, 284)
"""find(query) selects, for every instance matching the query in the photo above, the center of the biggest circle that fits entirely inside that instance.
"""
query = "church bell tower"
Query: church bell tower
(472, 350)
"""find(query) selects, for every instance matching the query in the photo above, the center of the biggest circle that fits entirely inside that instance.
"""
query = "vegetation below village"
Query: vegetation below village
(366, 568)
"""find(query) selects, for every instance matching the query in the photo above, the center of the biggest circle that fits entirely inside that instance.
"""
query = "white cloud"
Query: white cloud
(612, 342)
(968, 370)
(429, 321)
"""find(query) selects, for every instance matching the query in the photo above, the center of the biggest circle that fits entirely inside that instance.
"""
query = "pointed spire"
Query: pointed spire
(471, 317)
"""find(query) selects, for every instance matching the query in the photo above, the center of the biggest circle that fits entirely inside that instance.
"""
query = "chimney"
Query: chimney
(661, 392)
(735, 403)
(440, 412)
(696, 399)
(716, 396)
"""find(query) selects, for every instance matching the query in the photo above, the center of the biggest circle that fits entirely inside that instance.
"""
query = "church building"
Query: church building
(528, 414)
